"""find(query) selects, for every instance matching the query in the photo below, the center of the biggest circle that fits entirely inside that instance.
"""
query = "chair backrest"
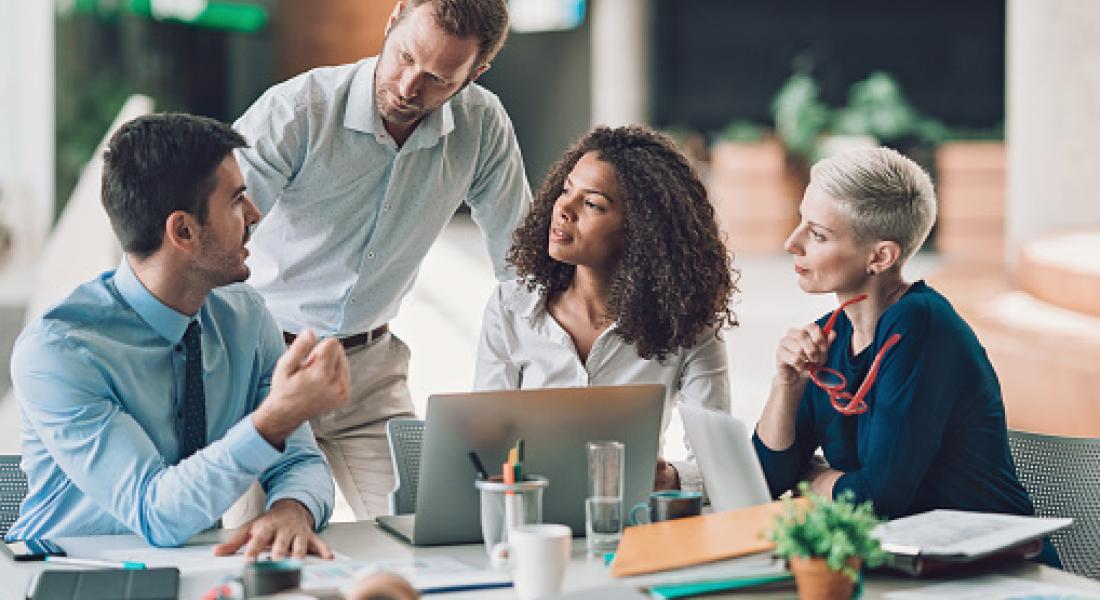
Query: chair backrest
(13, 488)
(406, 436)
(1062, 474)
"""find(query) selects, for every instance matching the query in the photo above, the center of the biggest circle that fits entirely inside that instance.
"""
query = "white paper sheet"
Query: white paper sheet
(424, 573)
(992, 587)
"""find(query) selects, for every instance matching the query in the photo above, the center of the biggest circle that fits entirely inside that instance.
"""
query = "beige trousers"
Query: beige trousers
(353, 438)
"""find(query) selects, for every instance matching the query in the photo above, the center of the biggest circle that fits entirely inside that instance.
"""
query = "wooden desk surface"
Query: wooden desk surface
(365, 541)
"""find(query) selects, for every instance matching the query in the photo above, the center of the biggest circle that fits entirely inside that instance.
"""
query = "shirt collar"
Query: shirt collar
(166, 321)
(362, 113)
(530, 305)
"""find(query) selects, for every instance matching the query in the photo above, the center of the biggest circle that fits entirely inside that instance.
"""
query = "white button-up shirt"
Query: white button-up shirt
(523, 346)
(349, 216)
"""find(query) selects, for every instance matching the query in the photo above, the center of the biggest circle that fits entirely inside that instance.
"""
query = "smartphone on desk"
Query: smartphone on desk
(34, 549)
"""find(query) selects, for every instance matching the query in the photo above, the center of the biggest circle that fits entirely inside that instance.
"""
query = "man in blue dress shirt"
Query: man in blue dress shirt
(357, 169)
(153, 396)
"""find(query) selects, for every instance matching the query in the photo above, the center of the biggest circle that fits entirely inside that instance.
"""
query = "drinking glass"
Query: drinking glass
(603, 507)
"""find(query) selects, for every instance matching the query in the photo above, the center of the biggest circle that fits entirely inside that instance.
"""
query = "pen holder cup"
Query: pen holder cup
(507, 505)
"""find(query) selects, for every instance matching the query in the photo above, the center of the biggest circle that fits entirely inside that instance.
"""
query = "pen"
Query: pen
(519, 460)
(480, 468)
(92, 562)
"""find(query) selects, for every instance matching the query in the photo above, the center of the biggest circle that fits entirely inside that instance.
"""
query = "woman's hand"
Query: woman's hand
(797, 352)
(800, 349)
(667, 477)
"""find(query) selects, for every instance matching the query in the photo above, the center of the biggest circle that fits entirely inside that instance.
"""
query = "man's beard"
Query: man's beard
(221, 268)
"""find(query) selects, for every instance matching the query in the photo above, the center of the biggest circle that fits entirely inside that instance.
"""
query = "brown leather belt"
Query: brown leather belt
(351, 341)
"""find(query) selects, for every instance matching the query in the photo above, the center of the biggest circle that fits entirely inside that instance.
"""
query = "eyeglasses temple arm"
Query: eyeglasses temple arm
(869, 381)
(828, 328)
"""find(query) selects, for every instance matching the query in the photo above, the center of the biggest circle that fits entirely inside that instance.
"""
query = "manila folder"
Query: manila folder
(694, 540)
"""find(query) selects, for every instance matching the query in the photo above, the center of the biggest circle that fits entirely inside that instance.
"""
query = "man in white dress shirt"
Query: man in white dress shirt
(357, 169)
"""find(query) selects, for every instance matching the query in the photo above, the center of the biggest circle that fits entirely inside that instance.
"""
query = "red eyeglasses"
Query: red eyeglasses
(833, 382)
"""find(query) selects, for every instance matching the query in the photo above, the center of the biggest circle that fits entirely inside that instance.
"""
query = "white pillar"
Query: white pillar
(27, 120)
(1053, 121)
(620, 58)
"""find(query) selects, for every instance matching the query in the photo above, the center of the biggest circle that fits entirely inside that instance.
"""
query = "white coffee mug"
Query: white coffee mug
(537, 556)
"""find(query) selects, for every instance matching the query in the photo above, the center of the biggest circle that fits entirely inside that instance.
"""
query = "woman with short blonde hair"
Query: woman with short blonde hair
(893, 386)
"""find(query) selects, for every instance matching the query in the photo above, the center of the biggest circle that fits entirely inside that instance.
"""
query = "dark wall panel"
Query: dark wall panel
(718, 60)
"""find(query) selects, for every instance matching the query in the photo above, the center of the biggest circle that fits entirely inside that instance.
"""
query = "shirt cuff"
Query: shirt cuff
(690, 478)
(248, 448)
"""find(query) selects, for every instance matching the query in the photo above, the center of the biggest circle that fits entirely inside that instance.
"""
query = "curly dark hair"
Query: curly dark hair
(675, 279)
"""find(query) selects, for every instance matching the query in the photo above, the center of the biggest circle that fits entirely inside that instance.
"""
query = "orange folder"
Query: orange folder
(695, 540)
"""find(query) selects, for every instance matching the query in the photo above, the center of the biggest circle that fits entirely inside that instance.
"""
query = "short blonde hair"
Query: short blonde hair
(885, 195)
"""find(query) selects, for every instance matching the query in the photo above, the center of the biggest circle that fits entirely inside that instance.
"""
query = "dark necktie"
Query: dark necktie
(193, 414)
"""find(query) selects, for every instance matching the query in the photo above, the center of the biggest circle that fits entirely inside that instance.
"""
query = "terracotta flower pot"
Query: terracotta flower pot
(816, 581)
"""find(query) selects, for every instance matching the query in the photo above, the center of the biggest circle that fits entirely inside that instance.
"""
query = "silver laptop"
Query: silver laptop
(723, 448)
(555, 424)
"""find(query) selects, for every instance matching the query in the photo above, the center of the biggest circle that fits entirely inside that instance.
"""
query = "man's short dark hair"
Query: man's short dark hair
(485, 20)
(159, 164)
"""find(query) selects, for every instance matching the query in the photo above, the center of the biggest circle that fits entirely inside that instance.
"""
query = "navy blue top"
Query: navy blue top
(934, 435)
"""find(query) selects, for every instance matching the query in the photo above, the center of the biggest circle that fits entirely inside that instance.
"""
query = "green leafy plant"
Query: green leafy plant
(877, 108)
(800, 115)
(835, 530)
(742, 132)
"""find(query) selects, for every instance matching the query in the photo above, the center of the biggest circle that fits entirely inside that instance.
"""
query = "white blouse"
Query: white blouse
(523, 346)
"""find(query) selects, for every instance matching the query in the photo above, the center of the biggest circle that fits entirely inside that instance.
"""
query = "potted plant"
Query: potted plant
(827, 544)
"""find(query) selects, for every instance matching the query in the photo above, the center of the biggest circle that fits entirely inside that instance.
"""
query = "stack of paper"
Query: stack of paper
(962, 535)
(941, 540)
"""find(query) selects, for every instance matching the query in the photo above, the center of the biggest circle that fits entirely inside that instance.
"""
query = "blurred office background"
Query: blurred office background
(996, 98)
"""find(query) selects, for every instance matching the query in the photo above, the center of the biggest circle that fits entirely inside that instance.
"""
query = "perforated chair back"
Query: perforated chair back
(1062, 474)
(406, 437)
(13, 488)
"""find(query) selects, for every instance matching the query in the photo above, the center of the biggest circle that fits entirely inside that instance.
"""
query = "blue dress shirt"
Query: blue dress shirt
(934, 435)
(100, 380)
(349, 216)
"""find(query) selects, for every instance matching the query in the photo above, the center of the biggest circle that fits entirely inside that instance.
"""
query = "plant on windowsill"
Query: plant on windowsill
(827, 544)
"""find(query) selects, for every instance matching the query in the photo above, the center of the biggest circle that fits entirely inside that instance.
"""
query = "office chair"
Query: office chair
(406, 436)
(1062, 474)
(13, 488)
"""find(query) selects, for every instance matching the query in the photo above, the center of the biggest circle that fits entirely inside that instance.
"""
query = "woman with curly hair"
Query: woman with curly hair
(623, 279)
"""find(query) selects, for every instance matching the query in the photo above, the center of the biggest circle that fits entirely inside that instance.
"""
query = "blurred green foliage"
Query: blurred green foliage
(877, 108)
(742, 132)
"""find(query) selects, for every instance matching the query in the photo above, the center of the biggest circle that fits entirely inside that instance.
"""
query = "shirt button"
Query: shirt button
(386, 207)
(179, 347)
(353, 300)
(370, 255)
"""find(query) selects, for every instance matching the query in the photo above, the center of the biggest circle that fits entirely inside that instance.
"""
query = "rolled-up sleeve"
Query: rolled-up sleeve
(495, 369)
(499, 196)
(274, 128)
(704, 382)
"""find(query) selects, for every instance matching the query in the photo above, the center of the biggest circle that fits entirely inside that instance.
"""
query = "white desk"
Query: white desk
(365, 541)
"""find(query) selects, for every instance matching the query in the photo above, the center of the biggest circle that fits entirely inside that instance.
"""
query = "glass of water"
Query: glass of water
(603, 507)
